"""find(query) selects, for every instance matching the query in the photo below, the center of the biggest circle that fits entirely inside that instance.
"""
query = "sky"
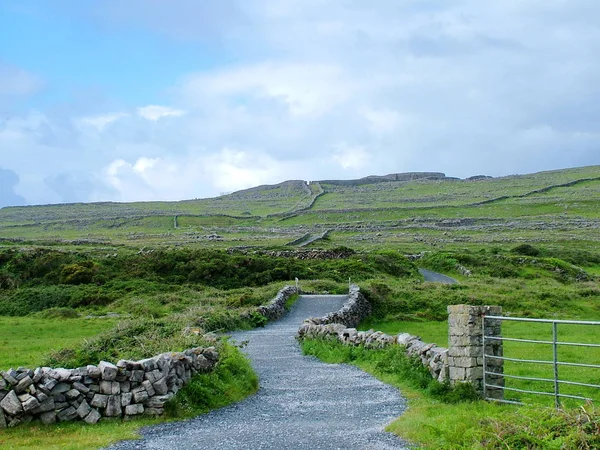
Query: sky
(137, 100)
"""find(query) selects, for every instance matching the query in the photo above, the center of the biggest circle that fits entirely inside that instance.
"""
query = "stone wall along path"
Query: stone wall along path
(302, 403)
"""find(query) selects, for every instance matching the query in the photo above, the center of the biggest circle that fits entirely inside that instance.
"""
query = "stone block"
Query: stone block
(158, 401)
(37, 374)
(23, 384)
(11, 404)
(113, 406)
(110, 387)
(126, 398)
(137, 375)
(160, 387)
(9, 377)
(45, 406)
(148, 364)
(66, 414)
(132, 410)
(140, 396)
(29, 402)
(149, 388)
(81, 387)
(464, 341)
(456, 373)
(93, 372)
(84, 409)
(63, 374)
(72, 394)
(99, 401)
(3, 423)
(108, 371)
(60, 388)
(92, 417)
(462, 361)
(48, 418)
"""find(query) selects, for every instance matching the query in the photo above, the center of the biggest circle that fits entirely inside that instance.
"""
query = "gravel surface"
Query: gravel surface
(436, 277)
(302, 403)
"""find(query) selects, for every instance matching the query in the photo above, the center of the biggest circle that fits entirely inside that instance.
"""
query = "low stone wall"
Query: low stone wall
(276, 307)
(433, 357)
(126, 389)
(356, 308)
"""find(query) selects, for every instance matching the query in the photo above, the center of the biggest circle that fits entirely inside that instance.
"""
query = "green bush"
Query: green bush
(526, 250)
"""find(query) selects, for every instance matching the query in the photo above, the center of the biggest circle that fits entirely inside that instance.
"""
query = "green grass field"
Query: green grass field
(25, 341)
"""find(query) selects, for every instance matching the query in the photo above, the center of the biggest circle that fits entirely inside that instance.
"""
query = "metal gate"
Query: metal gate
(557, 380)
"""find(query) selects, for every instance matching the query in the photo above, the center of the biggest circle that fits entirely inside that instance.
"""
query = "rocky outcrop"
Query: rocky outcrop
(129, 388)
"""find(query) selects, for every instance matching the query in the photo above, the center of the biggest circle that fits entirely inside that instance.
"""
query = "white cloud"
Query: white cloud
(100, 122)
(305, 89)
(156, 112)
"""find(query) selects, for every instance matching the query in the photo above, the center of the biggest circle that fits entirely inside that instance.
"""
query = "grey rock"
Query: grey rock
(113, 406)
(48, 418)
(60, 388)
(126, 398)
(23, 384)
(45, 406)
(160, 387)
(99, 401)
(11, 404)
(110, 387)
(132, 410)
(84, 409)
(3, 423)
(67, 414)
(72, 394)
(92, 417)
(81, 387)
(29, 402)
(108, 371)
(93, 372)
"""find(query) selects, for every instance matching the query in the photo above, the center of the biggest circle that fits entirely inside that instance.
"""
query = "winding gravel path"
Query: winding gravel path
(436, 277)
(302, 403)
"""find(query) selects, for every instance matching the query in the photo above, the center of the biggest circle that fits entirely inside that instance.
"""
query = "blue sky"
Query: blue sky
(126, 100)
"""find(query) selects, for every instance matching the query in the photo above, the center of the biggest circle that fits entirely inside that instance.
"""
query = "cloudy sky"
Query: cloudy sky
(127, 100)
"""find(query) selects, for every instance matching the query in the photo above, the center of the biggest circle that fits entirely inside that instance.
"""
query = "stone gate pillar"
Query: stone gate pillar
(465, 347)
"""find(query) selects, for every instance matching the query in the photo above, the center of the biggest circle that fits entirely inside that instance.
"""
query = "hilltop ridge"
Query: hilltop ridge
(408, 210)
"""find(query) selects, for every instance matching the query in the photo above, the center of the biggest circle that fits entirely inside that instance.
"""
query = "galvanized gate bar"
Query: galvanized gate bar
(555, 360)
(523, 319)
(533, 341)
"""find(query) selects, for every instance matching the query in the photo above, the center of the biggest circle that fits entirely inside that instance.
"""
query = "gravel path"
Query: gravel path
(302, 404)
(436, 277)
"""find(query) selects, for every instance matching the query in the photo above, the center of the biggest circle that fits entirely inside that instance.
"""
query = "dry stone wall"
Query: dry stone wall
(276, 307)
(356, 308)
(129, 388)
(461, 362)
(433, 357)
(341, 325)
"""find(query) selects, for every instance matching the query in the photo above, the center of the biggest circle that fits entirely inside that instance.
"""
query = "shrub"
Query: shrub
(526, 250)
